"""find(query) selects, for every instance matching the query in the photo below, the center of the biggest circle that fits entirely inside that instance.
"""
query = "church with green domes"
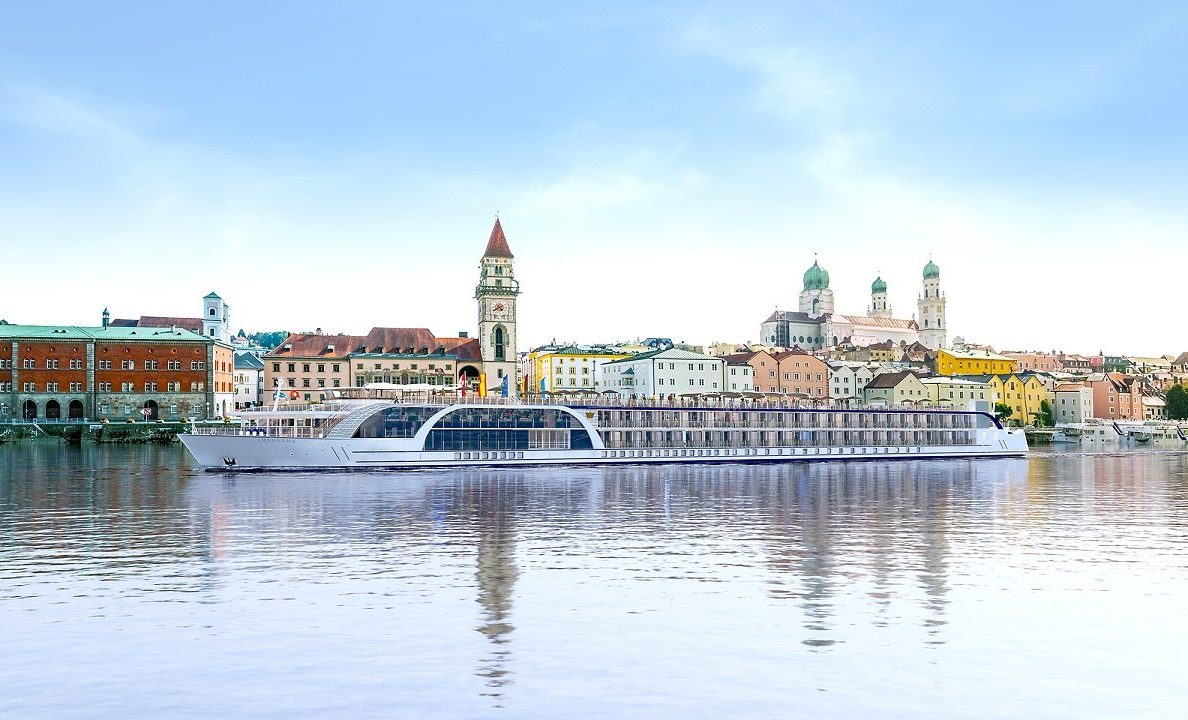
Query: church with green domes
(817, 325)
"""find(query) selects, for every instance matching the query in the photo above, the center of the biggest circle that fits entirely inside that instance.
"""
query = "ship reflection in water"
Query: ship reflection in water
(1046, 587)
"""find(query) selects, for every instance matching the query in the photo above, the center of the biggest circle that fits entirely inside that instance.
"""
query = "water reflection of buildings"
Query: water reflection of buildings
(494, 514)
(836, 544)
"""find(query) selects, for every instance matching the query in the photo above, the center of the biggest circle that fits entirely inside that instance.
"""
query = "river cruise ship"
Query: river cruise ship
(360, 429)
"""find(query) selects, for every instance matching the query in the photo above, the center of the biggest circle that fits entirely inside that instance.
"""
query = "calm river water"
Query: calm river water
(132, 585)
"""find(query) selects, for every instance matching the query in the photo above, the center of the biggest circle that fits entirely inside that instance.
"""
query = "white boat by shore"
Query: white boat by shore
(1120, 432)
(361, 429)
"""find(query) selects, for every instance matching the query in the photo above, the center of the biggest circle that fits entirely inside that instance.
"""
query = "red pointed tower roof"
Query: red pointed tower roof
(497, 245)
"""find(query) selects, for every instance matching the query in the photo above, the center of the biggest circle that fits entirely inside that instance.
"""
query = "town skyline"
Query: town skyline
(354, 328)
(668, 171)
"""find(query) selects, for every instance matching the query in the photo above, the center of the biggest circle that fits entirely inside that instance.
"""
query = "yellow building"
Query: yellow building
(554, 368)
(1023, 392)
(979, 362)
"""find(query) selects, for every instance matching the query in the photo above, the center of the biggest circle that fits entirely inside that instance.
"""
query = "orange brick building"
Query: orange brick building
(51, 373)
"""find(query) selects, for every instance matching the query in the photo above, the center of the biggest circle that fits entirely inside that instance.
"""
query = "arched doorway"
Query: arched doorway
(76, 410)
(29, 410)
(153, 411)
(53, 410)
(470, 374)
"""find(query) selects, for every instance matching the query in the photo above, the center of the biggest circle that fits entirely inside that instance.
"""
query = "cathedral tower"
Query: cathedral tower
(878, 300)
(496, 295)
(816, 299)
(931, 317)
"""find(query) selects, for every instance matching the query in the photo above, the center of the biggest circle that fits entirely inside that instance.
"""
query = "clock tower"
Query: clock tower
(496, 295)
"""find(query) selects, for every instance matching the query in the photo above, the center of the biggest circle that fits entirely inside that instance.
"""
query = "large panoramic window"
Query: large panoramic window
(395, 422)
(508, 429)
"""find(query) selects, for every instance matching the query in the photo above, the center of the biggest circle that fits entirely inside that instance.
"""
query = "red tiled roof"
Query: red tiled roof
(497, 245)
(464, 348)
(743, 357)
(797, 350)
(400, 340)
(379, 340)
(310, 345)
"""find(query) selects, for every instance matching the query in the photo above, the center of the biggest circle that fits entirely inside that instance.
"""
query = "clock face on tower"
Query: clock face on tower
(499, 310)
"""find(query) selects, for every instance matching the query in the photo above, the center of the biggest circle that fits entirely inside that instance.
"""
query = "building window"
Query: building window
(275, 367)
(305, 367)
(334, 367)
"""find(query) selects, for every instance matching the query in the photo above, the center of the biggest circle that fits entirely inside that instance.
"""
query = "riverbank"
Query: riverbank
(97, 433)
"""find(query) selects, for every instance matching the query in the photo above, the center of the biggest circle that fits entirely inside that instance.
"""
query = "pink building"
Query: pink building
(765, 369)
(1116, 396)
(800, 373)
(1037, 361)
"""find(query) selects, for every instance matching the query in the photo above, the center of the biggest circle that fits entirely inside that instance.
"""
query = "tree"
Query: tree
(1177, 402)
(1045, 417)
(268, 339)
(1002, 411)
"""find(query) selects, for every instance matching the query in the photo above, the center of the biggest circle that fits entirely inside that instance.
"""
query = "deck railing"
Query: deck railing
(604, 400)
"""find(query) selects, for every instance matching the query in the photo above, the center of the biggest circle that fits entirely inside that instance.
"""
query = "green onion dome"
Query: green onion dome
(931, 271)
(878, 286)
(816, 278)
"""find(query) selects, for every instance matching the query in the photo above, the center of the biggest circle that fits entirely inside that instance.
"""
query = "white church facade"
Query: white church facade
(816, 325)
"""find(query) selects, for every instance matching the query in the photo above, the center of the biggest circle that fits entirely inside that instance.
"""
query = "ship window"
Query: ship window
(508, 429)
(395, 422)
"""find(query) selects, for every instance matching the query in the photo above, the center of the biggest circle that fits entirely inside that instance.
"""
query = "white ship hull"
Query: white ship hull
(246, 452)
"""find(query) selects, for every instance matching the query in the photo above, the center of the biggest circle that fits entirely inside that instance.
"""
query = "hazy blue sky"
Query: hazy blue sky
(660, 168)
